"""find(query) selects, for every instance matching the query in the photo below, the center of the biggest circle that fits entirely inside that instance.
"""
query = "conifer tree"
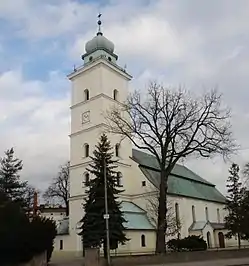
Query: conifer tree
(10, 183)
(93, 230)
(234, 204)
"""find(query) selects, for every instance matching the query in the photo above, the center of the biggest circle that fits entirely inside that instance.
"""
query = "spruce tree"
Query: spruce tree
(10, 183)
(234, 204)
(93, 230)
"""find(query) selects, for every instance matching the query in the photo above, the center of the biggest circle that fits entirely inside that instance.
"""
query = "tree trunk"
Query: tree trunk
(162, 211)
(67, 207)
(239, 240)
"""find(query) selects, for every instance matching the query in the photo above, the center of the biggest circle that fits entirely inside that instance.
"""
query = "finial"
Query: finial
(99, 23)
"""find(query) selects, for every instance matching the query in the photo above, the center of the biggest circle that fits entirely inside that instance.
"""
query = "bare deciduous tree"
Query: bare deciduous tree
(59, 189)
(172, 219)
(173, 124)
(245, 173)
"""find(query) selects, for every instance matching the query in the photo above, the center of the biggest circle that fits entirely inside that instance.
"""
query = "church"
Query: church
(97, 85)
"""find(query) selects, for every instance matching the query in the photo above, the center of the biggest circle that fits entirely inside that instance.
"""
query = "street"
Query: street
(226, 262)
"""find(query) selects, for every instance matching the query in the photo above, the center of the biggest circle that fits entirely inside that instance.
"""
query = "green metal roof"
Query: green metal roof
(127, 206)
(135, 216)
(182, 181)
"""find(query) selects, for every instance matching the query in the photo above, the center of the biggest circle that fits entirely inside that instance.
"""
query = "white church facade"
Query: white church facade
(96, 86)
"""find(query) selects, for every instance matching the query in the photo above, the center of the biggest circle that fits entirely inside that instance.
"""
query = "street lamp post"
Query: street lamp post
(106, 217)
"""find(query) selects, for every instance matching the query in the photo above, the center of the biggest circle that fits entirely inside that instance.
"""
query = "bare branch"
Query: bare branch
(172, 125)
(173, 222)
(59, 189)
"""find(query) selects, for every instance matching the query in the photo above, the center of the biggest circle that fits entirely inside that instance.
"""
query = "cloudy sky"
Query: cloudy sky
(196, 43)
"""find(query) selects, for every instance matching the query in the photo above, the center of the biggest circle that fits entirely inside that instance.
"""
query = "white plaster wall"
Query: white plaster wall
(56, 216)
(67, 242)
(110, 80)
(89, 79)
(134, 245)
(76, 214)
(185, 210)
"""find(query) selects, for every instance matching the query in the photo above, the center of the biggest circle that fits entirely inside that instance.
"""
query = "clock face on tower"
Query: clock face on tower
(86, 117)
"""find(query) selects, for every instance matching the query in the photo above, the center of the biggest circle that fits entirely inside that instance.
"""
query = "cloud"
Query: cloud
(35, 124)
(194, 43)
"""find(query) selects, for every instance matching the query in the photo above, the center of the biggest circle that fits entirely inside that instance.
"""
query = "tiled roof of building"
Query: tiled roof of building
(182, 181)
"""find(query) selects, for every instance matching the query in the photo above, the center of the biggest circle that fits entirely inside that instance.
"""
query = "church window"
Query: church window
(177, 211)
(206, 213)
(86, 92)
(119, 179)
(143, 244)
(115, 95)
(143, 183)
(193, 213)
(87, 179)
(117, 148)
(86, 150)
(61, 244)
(218, 215)
(90, 58)
(109, 58)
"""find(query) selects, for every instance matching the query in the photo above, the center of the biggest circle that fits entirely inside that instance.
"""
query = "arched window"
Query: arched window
(115, 95)
(87, 179)
(193, 213)
(117, 148)
(209, 243)
(86, 93)
(61, 244)
(206, 213)
(218, 215)
(119, 179)
(86, 149)
(143, 241)
(177, 212)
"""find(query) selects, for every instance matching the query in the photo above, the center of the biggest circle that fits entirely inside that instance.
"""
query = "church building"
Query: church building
(97, 85)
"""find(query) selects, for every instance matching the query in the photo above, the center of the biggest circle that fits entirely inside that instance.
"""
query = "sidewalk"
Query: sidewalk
(225, 262)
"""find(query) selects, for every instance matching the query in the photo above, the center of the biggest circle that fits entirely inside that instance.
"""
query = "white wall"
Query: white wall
(56, 216)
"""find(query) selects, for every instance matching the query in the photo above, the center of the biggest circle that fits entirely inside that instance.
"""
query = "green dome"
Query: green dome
(99, 42)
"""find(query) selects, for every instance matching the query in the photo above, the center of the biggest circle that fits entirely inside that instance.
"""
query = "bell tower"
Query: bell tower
(97, 85)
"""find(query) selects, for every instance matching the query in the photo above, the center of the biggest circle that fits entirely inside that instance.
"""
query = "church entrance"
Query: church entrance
(221, 240)
(209, 240)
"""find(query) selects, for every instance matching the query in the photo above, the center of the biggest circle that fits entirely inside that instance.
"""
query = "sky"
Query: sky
(195, 43)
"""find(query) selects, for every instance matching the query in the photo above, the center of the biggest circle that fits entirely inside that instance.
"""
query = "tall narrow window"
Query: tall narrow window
(117, 147)
(193, 213)
(86, 148)
(119, 179)
(218, 215)
(177, 212)
(115, 95)
(61, 244)
(143, 244)
(86, 94)
(87, 179)
(206, 213)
